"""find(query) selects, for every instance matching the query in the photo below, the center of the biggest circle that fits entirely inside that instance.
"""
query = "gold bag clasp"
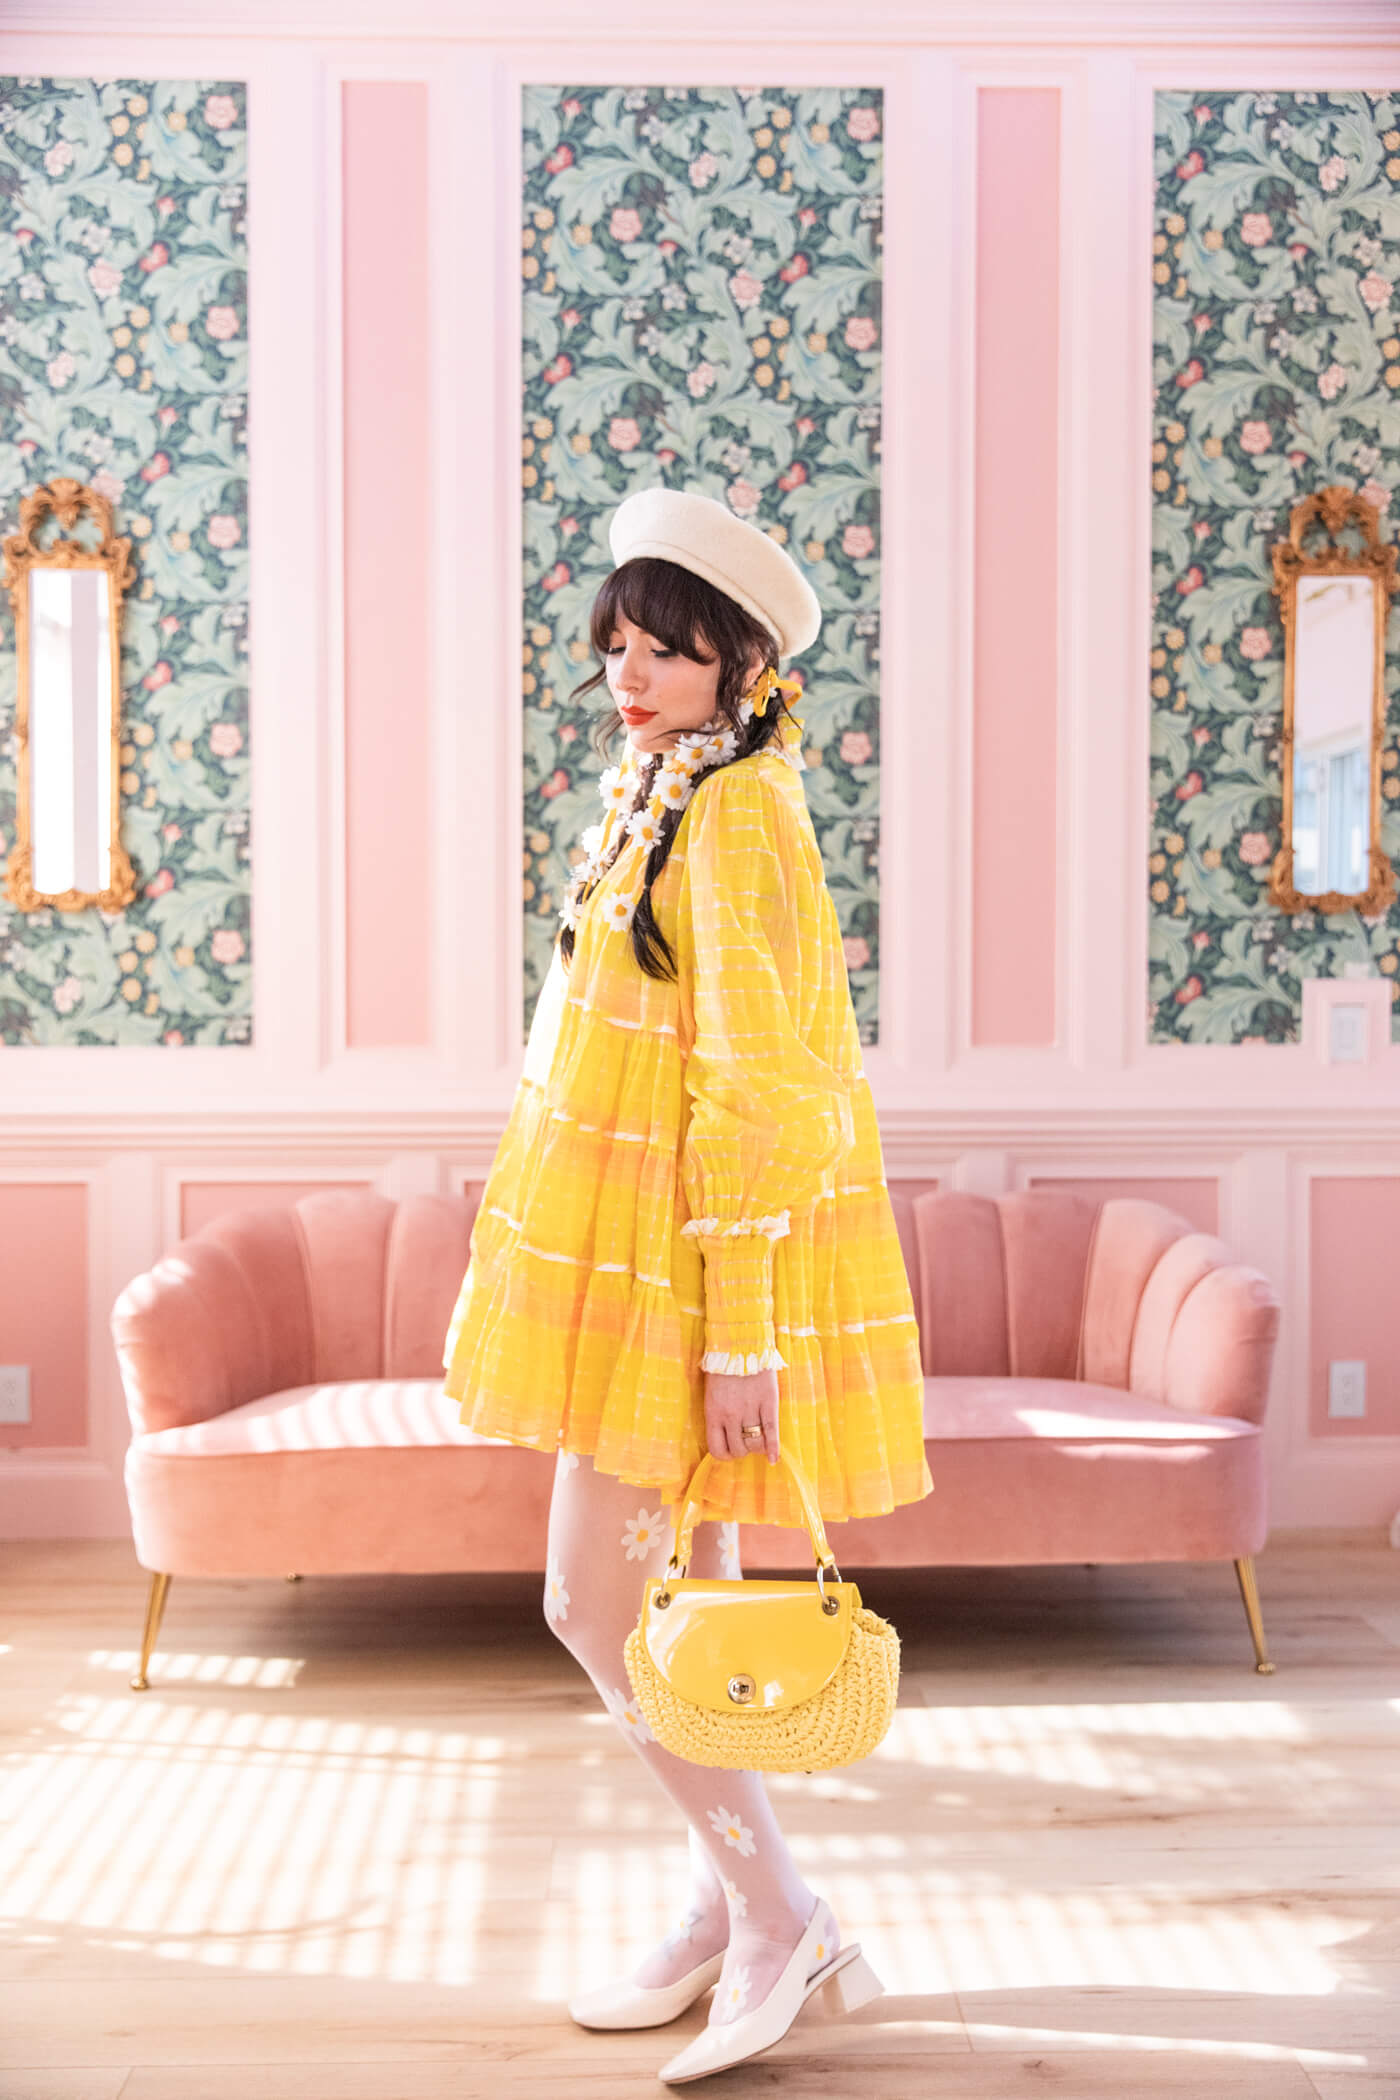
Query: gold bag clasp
(742, 1689)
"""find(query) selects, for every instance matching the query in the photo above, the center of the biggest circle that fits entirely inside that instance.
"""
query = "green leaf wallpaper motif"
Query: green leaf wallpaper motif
(1277, 371)
(123, 362)
(701, 310)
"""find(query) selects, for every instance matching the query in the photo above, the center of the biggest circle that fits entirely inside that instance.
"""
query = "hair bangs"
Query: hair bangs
(661, 598)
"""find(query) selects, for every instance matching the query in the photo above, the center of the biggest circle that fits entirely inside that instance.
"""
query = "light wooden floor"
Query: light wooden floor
(361, 1839)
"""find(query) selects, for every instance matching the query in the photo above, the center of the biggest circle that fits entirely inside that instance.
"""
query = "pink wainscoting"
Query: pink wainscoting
(388, 829)
(1016, 587)
(1354, 1229)
(44, 1308)
(202, 1200)
(1191, 1196)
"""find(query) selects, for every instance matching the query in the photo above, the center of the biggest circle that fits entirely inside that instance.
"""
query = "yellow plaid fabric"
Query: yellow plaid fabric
(691, 1177)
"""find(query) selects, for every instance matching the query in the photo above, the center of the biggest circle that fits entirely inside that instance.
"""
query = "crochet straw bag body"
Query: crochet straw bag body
(762, 1676)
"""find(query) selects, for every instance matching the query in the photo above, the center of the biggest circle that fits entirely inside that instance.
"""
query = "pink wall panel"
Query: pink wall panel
(387, 658)
(44, 1308)
(1016, 584)
(1354, 1230)
(1195, 1197)
(202, 1200)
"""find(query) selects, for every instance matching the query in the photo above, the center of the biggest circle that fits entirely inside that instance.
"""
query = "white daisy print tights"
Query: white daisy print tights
(606, 1538)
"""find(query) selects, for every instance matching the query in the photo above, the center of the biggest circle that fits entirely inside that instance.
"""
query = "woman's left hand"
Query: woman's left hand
(733, 1398)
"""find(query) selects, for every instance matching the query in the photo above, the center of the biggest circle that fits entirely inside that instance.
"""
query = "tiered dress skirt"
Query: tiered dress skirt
(582, 1318)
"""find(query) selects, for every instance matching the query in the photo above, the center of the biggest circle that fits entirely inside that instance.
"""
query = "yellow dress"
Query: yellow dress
(691, 1178)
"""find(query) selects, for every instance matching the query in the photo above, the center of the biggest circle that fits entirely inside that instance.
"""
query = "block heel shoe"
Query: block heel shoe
(627, 2004)
(841, 1984)
(849, 1984)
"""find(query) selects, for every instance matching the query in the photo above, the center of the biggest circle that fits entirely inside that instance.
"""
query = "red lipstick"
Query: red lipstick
(636, 714)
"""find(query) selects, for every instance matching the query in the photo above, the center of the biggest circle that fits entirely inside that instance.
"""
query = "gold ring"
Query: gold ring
(753, 1429)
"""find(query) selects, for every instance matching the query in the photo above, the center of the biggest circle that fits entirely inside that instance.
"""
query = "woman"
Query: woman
(685, 1242)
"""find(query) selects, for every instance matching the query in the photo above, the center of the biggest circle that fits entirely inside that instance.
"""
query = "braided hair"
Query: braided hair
(685, 613)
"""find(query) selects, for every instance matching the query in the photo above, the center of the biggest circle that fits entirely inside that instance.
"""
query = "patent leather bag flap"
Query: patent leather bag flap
(736, 1646)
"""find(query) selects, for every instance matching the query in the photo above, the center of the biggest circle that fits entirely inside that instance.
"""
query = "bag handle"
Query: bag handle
(693, 1501)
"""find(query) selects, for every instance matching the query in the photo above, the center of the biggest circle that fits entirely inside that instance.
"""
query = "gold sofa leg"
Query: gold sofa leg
(1249, 1590)
(155, 1605)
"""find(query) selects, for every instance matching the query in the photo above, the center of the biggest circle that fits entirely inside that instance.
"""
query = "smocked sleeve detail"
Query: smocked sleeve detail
(769, 1074)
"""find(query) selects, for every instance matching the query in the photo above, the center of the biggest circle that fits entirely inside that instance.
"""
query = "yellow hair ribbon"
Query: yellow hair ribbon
(768, 683)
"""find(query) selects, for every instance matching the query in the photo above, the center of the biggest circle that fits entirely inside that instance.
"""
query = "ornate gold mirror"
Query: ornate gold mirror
(1335, 604)
(66, 575)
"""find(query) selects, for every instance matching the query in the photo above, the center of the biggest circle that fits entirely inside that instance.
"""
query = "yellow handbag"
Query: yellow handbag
(762, 1676)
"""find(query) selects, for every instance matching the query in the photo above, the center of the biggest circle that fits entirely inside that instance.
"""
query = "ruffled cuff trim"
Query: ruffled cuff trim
(756, 1360)
(774, 1228)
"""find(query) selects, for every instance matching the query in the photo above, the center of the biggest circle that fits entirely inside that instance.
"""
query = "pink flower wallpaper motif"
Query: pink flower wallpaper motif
(701, 272)
(1276, 258)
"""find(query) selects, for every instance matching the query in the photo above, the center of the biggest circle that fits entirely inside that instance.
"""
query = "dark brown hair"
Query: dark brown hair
(682, 612)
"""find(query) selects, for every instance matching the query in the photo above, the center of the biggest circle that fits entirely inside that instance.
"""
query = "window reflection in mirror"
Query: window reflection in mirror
(70, 729)
(1333, 685)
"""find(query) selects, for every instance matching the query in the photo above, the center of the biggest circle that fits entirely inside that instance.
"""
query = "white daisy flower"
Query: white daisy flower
(567, 1461)
(568, 910)
(615, 791)
(685, 1930)
(556, 1597)
(628, 1716)
(591, 838)
(733, 1831)
(643, 1533)
(673, 789)
(617, 911)
(738, 1902)
(746, 711)
(645, 827)
(684, 760)
(717, 748)
(736, 1992)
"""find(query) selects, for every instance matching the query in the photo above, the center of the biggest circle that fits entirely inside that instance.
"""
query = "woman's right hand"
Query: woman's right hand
(733, 1398)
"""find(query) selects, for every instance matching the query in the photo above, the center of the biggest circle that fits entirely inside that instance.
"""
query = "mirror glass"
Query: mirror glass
(1334, 682)
(70, 729)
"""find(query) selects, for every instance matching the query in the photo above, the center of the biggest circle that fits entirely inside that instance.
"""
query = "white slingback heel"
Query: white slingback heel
(625, 2004)
(842, 1984)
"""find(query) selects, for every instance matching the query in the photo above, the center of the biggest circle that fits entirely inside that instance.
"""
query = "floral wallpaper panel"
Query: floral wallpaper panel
(701, 288)
(1276, 260)
(123, 362)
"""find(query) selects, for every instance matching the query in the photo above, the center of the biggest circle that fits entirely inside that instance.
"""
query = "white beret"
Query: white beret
(702, 535)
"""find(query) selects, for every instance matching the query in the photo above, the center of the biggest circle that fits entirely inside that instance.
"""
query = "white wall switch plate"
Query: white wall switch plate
(14, 1392)
(1347, 1020)
(1346, 1388)
(1347, 1033)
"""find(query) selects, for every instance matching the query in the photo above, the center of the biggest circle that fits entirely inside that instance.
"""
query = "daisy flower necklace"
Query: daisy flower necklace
(638, 815)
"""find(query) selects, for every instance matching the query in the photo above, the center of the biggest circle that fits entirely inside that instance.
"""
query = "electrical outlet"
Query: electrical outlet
(14, 1392)
(1346, 1389)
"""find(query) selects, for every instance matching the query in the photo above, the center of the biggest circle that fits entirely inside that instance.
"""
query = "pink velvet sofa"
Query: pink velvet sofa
(1096, 1380)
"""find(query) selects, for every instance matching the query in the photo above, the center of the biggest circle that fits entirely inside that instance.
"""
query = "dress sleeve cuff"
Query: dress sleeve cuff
(756, 1360)
(738, 1302)
(774, 1228)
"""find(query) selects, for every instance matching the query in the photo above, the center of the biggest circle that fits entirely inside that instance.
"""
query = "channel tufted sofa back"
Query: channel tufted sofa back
(1043, 1283)
(341, 1284)
(348, 1284)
